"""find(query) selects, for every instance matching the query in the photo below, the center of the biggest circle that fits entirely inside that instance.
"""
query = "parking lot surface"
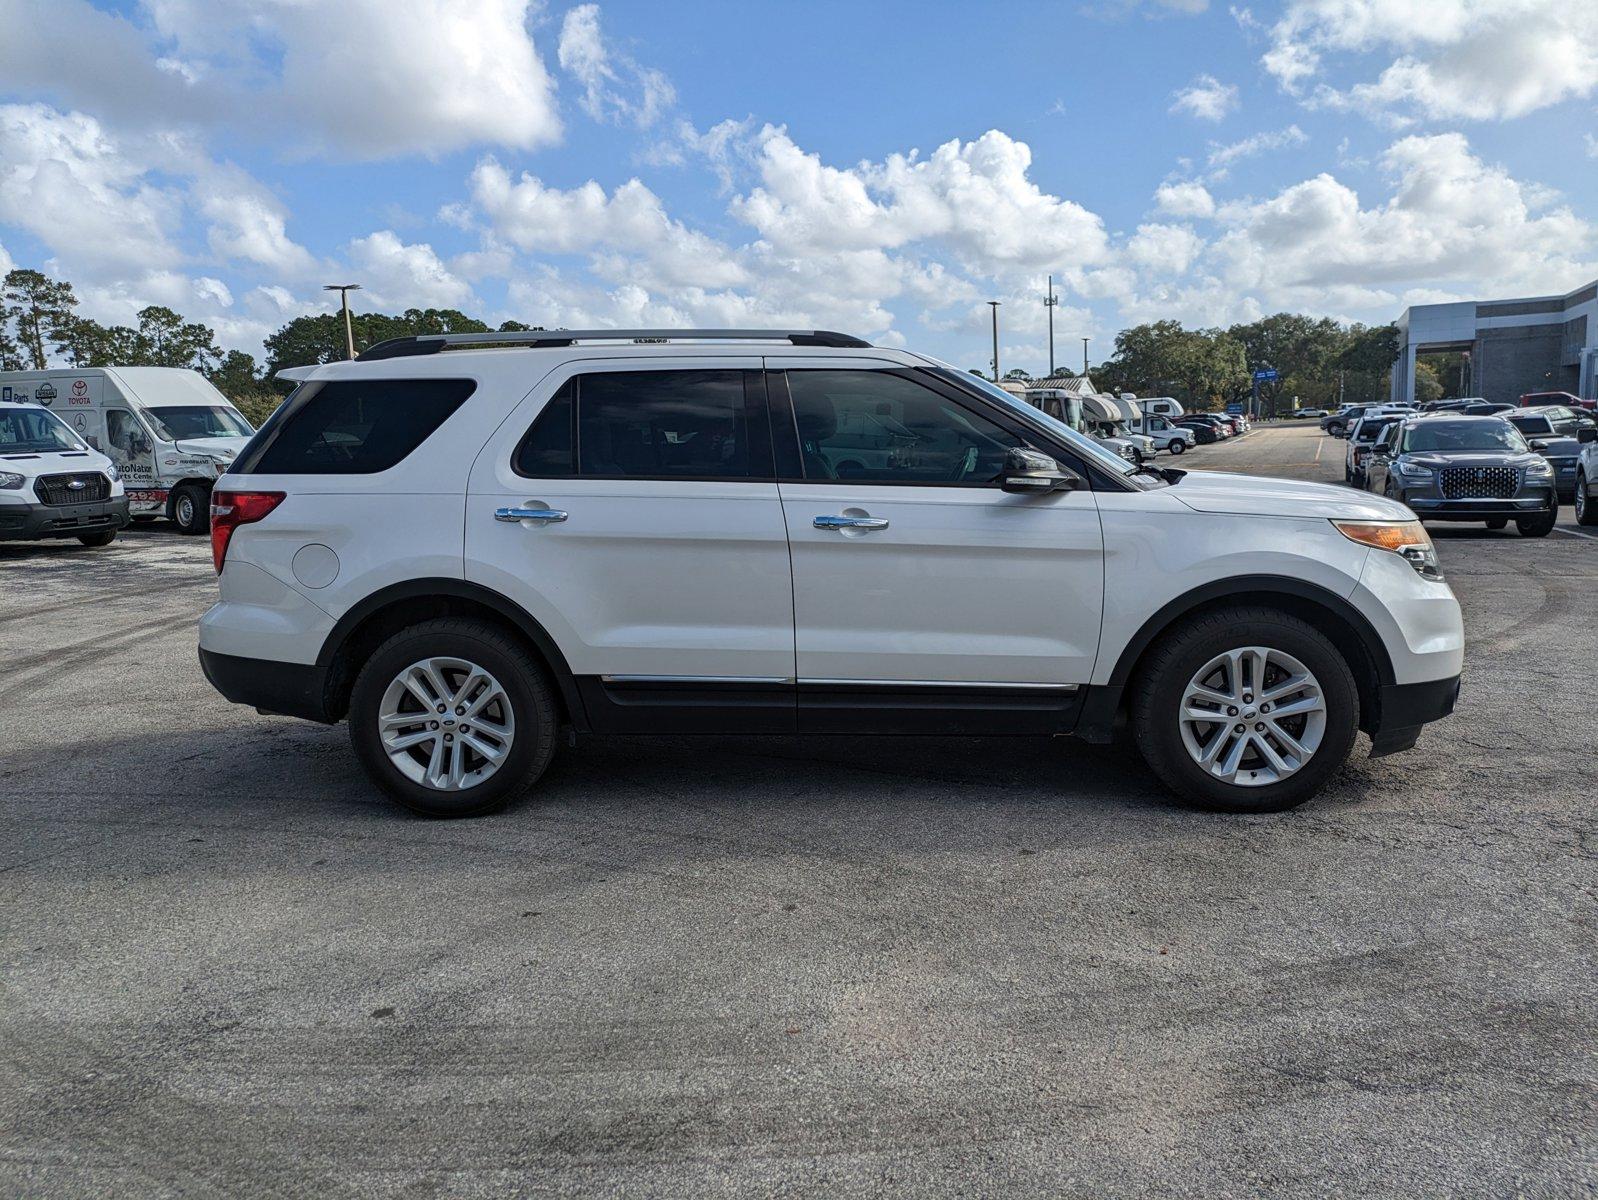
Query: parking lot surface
(706, 967)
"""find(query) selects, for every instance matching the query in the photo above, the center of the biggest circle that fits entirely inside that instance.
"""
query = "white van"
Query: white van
(168, 430)
(1159, 430)
(52, 485)
(1162, 406)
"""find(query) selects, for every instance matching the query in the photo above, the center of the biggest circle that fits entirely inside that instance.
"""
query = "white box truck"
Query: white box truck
(168, 430)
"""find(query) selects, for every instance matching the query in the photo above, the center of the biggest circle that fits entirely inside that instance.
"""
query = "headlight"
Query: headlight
(1541, 467)
(1413, 470)
(11, 480)
(1407, 539)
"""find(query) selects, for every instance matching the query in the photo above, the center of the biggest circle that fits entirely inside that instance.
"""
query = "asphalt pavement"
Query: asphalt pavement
(747, 967)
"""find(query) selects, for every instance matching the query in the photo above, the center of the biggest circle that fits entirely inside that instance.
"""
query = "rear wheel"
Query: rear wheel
(103, 538)
(1539, 526)
(191, 508)
(1178, 446)
(1245, 710)
(1586, 506)
(452, 718)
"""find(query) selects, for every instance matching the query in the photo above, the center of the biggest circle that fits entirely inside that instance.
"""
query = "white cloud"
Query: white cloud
(67, 182)
(7, 263)
(615, 87)
(248, 223)
(1451, 220)
(1222, 157)
(1185, 199)
(395, 275)
(1445, 59)
(362, 79)
(1206, 98)
(1166, 249)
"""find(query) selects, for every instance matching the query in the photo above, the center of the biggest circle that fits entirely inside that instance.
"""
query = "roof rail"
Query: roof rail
(433, 343)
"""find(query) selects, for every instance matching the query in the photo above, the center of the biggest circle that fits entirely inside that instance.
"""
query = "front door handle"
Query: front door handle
(547, 515)
(850, 522)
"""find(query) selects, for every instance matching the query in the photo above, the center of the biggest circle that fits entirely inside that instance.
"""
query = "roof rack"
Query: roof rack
(433, 343)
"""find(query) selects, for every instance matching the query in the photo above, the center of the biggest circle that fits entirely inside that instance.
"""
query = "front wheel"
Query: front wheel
(103, 538)
(1586, 508)
(1178, 446)
(1498, 523)
(191, 509)
(452, 718)
(1539, 526)
(1245, 710)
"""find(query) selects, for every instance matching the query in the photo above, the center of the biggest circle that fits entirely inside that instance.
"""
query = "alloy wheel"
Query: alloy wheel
(1252, 716)
(446, 723)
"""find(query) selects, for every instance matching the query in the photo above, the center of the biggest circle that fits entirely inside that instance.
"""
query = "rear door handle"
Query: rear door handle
(547, 515)
(850, 522)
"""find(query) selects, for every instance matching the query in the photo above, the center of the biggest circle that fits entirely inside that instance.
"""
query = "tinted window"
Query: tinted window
(351, 427)
(176, 422)
(871, 425)
(549, 449)
(1372, 429)
(663, 425)
(1532, 426)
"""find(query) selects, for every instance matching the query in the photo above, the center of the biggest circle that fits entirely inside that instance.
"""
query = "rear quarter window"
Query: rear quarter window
(352, 426)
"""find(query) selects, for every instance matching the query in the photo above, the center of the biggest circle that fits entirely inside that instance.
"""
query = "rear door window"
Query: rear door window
(351, 427)
(678, 424)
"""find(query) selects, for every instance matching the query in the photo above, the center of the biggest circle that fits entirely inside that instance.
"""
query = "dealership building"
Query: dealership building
(1542, 344)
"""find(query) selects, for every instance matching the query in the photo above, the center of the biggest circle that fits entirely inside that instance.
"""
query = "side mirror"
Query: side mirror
(1030, 473)
(1589, 434)
(1537, 445)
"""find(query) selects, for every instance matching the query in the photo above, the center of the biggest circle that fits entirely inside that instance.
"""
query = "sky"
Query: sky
(884, 169)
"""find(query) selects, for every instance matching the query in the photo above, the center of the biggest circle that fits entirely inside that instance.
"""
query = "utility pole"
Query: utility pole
(344, 290)
(1050, 302)
(994, 304)
(1084, 356)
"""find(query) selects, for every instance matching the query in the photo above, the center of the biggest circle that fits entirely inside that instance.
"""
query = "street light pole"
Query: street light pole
(344, 290)
(1050, 302)
(994, 305)
(1084, 356)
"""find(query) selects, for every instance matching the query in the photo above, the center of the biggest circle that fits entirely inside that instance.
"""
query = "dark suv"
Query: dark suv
(1465, 469)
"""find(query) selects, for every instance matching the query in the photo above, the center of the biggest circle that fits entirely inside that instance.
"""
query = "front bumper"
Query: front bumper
(1403, 709)
(1435, 508)
(31, 522)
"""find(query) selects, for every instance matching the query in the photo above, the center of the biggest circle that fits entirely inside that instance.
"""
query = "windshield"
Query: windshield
(1460, 435)
(1084, 446)
(181, 421)
(34, 431)
(1532, 425)
(1371, 428)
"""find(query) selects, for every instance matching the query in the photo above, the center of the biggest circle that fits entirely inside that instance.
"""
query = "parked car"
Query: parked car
(1167, 435)
(1552, 432)
(1361, 440)
(1586, 490)
(1305, 413)
(1568, 399)
(1223, 428)
(650, 537)
(1465, 469)
(1338, 423)
(1204, 432)
(1484, 408)
(52, 483)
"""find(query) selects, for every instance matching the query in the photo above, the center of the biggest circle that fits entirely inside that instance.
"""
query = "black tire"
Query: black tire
(191, 508)
(104, 538)
(1183, 651)
(1586, 506)
(1539, 526)
(1178, 446)
(531, 697)
(1498, 523)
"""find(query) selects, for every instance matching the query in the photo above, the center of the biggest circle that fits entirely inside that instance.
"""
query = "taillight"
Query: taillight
(229, 510)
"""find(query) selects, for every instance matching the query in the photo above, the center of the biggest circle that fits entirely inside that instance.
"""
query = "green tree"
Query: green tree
(36, 307)
(1427, 386)
(84, 342)
(238, 378)
(10, 351)
(308, 340)
(1200, 367)
(167, 340)
(1366, 363)
(1300, 349)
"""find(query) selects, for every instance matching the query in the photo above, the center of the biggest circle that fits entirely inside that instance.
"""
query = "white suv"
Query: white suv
(467, 543)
